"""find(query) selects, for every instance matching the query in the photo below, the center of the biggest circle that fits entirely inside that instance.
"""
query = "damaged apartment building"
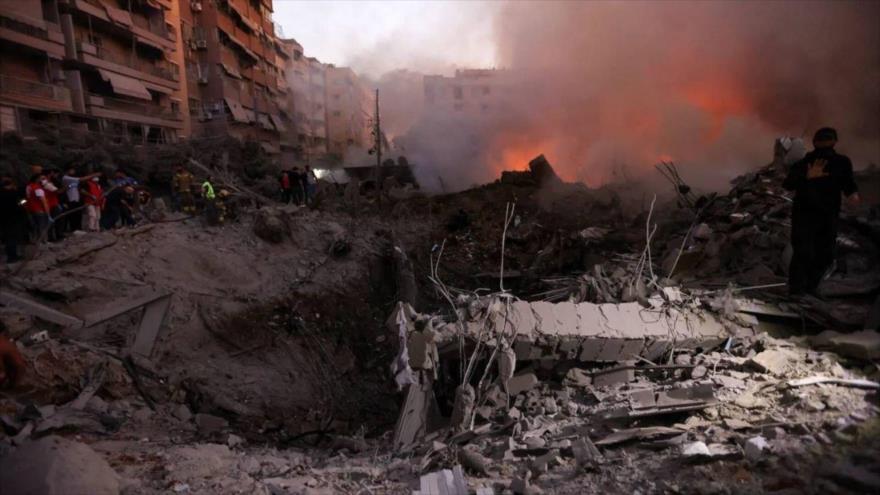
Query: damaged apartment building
(98, 65)
(157, 71)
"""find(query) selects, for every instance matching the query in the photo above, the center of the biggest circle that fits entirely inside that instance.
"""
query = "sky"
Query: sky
(374, 37)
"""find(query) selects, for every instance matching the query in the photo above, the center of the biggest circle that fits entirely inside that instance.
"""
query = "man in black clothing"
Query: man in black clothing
(13, 218)
(818, 180)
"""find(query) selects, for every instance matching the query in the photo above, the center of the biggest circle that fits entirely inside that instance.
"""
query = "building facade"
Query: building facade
(233, 79)
(103, 66)
(156, 71)
(349, 112)
(472, 94)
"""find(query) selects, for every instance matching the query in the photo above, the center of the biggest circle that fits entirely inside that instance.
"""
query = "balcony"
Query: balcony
(35, 94)
(134, 111)
(155, 33)
(34, 33)
(138, 64)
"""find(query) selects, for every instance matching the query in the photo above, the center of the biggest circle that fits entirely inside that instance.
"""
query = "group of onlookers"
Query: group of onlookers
(54, 203)
(298, 187)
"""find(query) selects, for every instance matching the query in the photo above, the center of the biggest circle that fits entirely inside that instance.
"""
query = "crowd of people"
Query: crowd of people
(298, 187)
(54, 203)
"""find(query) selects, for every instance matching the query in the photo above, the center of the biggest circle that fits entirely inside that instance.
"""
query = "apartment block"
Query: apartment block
(308, 83)
(472, 94)
(108, 66)
(234, 71)
(350, 108)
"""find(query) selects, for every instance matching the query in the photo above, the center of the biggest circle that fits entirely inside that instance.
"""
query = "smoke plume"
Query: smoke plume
(606, 88)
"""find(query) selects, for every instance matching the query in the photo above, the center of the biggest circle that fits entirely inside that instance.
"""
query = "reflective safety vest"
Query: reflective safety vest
(208, 190)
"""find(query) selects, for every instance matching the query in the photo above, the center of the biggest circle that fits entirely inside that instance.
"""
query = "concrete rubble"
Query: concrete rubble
(178, 364)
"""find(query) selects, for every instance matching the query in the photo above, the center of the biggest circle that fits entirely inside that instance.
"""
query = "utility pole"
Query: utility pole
(378, 132)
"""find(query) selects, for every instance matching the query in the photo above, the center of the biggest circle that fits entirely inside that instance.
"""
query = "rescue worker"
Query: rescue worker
(221, 205)
(181, 188)
(818, 180)
(210, 201)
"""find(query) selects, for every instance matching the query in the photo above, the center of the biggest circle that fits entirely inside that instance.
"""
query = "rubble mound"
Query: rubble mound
(270, 224)
(56, 466)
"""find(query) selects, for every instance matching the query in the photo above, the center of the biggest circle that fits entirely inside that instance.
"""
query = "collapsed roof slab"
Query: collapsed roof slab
(593, 332)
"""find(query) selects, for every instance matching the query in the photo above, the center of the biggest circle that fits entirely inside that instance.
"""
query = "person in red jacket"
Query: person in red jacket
(93, 197)
(37, 205)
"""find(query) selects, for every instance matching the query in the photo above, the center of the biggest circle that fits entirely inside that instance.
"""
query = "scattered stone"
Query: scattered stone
(473, 461)
(771, 361)
(695, 449)
(577, 377)
(56, 466)
(814, 405)
(522, 383)
(698, 372)
(234, 441)
(143, 414)
(209, 423)
(535, 442)
(703, 232)
(754, 448)
(182, 413)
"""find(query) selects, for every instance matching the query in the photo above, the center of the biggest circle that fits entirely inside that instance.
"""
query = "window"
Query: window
(337, 113)
(486, 90)
(458, 107)
(458, 92)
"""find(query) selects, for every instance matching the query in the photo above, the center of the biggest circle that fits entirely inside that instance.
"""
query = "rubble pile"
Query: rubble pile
(542, 337)
(554, 392)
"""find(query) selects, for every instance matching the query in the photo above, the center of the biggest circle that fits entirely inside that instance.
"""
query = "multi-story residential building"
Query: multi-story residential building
(306, 77)
(349, 112)
(476, 94)
(109, 66)
(232, 74)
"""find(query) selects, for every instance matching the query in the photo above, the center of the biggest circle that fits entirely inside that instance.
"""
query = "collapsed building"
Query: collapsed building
(563, 344)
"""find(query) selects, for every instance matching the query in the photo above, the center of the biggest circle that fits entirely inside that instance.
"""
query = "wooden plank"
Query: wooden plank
(39, 310)
(151, 323)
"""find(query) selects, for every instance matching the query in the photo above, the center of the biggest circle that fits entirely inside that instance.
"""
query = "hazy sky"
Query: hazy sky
(374, 37)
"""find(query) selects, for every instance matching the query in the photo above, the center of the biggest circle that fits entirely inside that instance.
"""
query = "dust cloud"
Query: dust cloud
(608, 89)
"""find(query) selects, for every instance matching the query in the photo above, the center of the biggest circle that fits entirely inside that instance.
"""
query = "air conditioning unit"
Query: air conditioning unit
(203, 79)
(202, 44)
(206, 117)
(195, 6)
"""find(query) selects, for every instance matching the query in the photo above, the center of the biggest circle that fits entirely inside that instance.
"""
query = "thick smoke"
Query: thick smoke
(611, 88)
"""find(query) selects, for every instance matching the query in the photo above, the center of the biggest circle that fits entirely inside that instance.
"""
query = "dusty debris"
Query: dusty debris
(55, 466)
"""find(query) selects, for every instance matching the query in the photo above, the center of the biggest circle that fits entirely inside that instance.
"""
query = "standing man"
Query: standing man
(818, 181)
(285, 187)
(181, 187)
(70, 185)
(209, 197)
(93, 194)
(309, 182)
(13, 218)
(37, 206)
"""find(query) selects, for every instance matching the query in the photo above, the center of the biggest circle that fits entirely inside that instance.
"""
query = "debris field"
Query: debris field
(526, 336)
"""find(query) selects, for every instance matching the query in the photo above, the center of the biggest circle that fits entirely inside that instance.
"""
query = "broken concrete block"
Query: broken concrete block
(585, 452)
(577, 377)
(474, 461)
(55, 466)
(544, 463)
(447, 481)
(209, 423)
(182, 413)
(754, 447)
(521, 383)
(613, 377)
(771, 361)
(860, 345)
(695, 449)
